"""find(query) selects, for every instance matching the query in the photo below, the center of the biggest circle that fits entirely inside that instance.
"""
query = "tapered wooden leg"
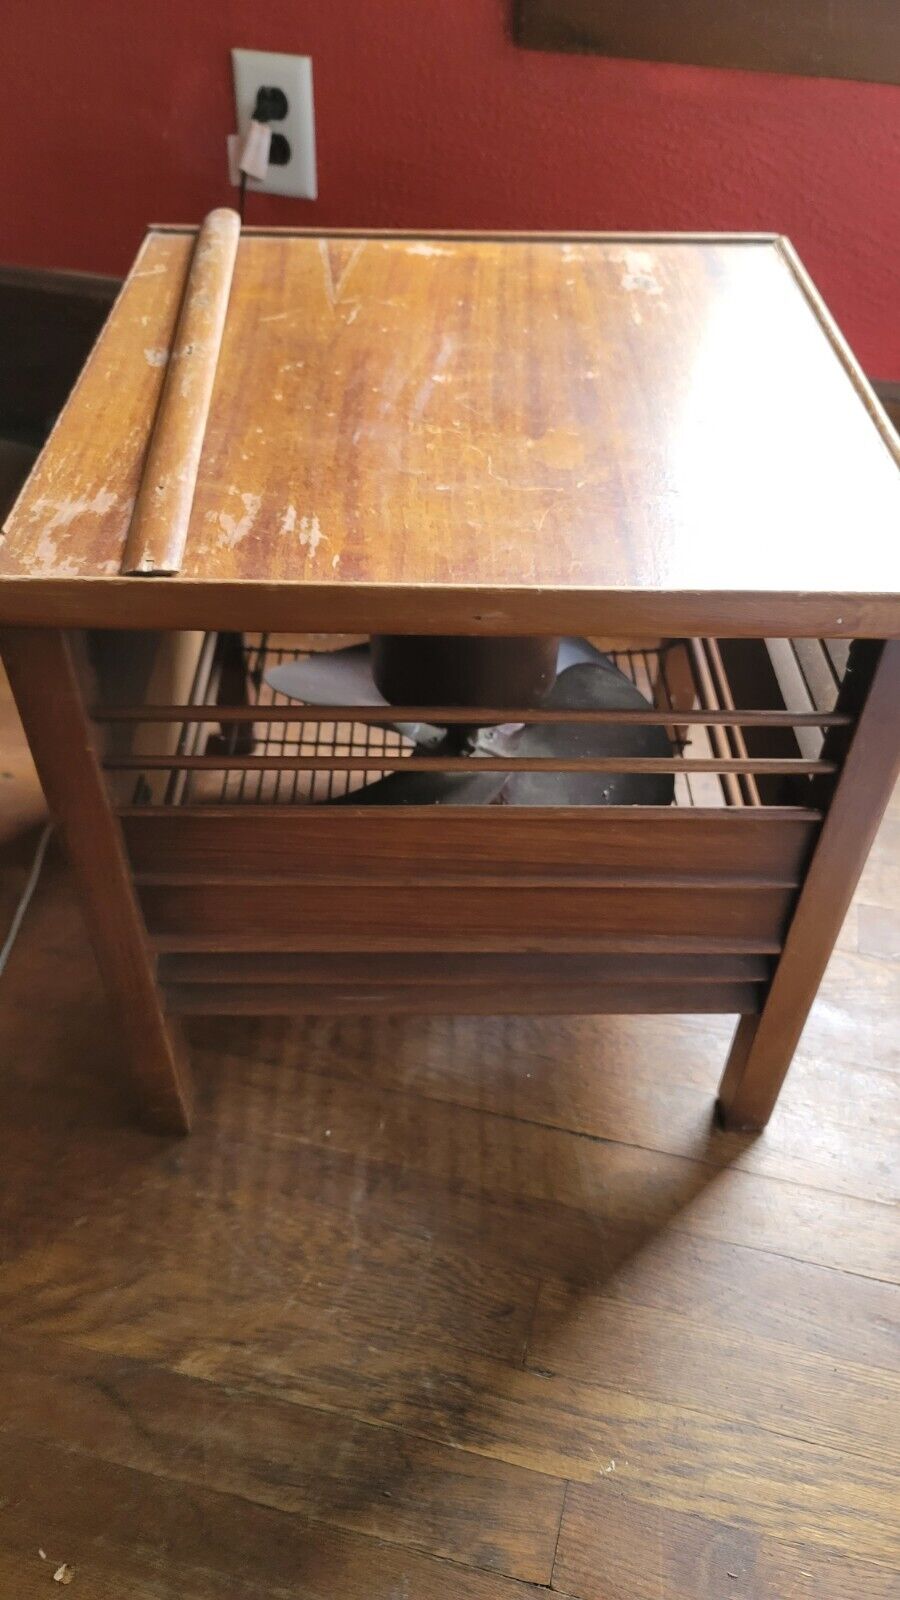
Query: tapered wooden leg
(764, 1045)
(47, 689)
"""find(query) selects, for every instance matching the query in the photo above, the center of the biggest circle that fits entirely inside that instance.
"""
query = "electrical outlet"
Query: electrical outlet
(256, 69)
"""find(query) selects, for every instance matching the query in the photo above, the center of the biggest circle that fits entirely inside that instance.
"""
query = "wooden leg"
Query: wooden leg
(47, 689)
(764, 1044)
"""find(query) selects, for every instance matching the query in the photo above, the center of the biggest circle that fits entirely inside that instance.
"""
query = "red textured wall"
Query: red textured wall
(428, 115)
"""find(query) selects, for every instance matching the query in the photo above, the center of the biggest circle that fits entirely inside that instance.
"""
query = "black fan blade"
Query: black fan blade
(590, 685)
(428, 789)
(586, 687)
(344, 678)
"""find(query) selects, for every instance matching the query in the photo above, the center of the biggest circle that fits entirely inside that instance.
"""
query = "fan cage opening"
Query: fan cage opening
(685, 679)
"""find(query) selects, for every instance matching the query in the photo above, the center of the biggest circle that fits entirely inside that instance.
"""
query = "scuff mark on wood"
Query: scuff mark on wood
(233, 530)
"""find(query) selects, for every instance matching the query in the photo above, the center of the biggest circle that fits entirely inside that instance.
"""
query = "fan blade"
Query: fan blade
(587, 687)
(343, 678)
(329, 678)
(428, 789)
(587, 679)
(575, 652)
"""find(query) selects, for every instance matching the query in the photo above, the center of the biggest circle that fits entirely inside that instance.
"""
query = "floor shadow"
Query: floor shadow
(445, 1230)
(361, 1225)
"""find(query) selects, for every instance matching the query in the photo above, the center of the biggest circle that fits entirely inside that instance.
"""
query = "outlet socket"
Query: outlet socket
(254, 69)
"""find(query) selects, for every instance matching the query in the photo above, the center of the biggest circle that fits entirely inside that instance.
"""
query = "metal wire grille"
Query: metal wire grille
(239, 758)
(648, 668)
(298, 738)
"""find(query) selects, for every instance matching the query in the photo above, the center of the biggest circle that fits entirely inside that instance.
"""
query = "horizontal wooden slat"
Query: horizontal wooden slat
(239, 881)
(444, 714)
(296, 606)
(487, 999)
(652, 944)
(766, 843)
(312, 916)
(389, 762)
(332, 967)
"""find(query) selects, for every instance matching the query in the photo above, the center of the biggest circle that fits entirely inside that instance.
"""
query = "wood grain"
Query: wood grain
(424, 1302)
(349, 916)
(554, 998)
(620, 1192)
(849, 39)
(615, 1548)
(161, 1539)
(47, 686)
(689, 1359)
(771, 844)
(297, 1459)
(494, 393)
(455, 970)
(162, 509)
(339, 1256)
(763, 1047)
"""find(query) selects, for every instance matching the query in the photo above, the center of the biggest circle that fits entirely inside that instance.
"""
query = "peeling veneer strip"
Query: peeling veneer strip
(159, 524)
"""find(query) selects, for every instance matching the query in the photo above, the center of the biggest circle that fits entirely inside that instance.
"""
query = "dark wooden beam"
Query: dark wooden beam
(814, 38)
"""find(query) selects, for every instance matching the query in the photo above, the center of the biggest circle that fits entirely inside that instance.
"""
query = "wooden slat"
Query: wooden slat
(455, 970)
(239, 881)
(838, 651)
(312, 916)
(752, 679)
(249, 604)
(768, 843)
(795, 691)
(735, 732)
(818, 670)
(390, 762)
(303, 712)
(470, 999)
(718, 738)
(191, 734)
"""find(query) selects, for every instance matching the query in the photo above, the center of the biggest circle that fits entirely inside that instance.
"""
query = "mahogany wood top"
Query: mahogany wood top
(484, 434)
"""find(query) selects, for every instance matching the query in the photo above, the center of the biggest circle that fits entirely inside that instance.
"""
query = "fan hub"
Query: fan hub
(452, 670)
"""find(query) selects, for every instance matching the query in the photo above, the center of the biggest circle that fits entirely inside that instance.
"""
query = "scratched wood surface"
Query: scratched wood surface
(503, 417)
(447, 1309)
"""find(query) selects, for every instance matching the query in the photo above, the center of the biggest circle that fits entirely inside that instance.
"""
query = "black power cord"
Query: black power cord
(271, 105)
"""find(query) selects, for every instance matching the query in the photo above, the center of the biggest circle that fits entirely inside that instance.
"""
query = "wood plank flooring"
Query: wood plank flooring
(473, 1308)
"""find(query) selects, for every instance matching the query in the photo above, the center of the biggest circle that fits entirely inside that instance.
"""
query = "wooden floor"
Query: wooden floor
(463, 1308)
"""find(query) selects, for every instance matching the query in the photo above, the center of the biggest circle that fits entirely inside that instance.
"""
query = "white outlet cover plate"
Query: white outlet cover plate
(293, 75)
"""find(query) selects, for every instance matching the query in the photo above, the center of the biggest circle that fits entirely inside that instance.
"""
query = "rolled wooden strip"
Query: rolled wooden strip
(159, 524)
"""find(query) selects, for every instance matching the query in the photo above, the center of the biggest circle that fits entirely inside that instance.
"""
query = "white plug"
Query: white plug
(254, 155)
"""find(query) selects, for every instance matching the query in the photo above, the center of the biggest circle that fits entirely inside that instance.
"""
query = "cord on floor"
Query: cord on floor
(26, 897)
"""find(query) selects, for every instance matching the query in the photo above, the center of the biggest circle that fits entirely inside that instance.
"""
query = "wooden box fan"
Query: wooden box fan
(462, 623)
